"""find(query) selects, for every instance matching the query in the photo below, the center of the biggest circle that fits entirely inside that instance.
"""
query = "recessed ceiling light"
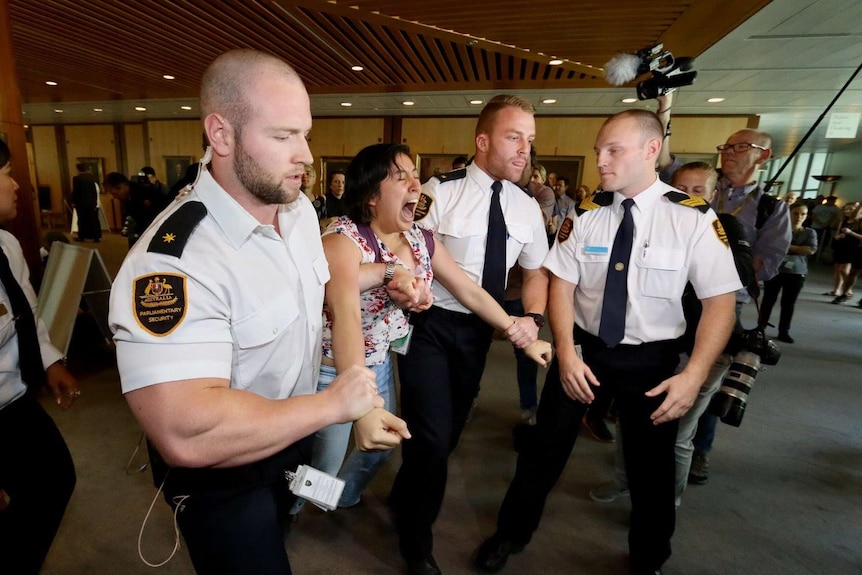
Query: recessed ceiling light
(140, 109)
(715, 100)
(629, 100)
(97, 109)
(168, 77)
(408, 103)
(346, 104)
(555, 62)
(51, 83)
(357, 68)
(549, 101)
(185, 107)
(476, 102)
(59, 111)
(26, 126)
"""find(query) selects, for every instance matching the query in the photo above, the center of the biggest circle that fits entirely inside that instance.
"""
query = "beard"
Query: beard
(254, 178)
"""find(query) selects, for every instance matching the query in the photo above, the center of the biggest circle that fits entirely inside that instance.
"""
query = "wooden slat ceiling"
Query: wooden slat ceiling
(103, 50)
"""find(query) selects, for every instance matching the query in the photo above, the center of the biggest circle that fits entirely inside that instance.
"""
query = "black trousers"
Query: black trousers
(233, 519)
(648, 450)
(439, 379)
(37, 473)
(789, 285)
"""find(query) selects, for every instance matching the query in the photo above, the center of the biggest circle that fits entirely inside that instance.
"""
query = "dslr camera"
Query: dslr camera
(668, 73)
(756, 349)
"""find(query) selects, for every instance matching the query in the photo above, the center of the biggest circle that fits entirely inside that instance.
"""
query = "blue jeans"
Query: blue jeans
(527, 368)
(330, 443)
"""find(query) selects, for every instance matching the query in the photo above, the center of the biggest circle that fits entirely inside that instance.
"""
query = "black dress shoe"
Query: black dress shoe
(494, 553)
(785, 337)
(426, 566)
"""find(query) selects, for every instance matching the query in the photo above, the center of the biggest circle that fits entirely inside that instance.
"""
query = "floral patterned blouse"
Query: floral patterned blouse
(382, 321)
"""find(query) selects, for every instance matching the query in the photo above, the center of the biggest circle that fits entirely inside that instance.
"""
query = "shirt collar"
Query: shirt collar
(481, 178)
(235, 222)
(645, 200)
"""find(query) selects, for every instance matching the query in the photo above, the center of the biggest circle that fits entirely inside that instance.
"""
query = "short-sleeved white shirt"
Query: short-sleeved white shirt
(673, 244)
(247, 300)
(456, 208)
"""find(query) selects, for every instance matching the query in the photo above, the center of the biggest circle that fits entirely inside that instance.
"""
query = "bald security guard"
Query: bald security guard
(618, 271)
(216, 317)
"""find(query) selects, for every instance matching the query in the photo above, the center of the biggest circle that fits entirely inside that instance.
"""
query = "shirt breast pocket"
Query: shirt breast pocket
(592, 268)
(465, 239)
(661, 272)
(255, 333)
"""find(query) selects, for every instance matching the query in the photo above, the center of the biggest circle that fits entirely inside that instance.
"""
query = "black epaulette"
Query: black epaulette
(597, 200)
(176, 230)
(686, 200)
(458, 174)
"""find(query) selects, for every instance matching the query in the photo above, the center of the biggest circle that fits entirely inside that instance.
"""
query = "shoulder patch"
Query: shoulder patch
(453, 175)
(423, 206)
(720, 233)
(690, 201)
(177, 229)
(595, 201)
(160, 302)
(565, 230)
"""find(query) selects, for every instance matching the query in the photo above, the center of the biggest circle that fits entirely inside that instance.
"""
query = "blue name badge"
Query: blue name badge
(595, 250)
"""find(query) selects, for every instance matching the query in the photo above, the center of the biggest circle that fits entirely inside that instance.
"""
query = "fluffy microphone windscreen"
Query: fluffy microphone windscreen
(622, 68)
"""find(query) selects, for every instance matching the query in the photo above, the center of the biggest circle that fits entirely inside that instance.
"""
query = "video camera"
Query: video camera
(756, 349)
(668, 73)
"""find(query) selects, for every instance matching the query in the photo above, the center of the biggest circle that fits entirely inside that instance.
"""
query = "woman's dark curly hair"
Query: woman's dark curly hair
(366, 171)
(5, 154)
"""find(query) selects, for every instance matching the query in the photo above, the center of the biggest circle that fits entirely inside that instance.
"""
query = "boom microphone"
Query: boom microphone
(622, 68)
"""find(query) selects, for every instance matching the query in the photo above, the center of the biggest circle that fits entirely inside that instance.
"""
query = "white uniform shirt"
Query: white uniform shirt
(673, 244)
(457, 211)
(250, 305)
(12, 386)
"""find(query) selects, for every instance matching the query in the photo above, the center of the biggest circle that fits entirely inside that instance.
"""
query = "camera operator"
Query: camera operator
(765, 219)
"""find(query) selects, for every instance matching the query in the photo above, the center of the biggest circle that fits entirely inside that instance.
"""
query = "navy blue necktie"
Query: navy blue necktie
(613, 324)
(494, 271)
(29, 353)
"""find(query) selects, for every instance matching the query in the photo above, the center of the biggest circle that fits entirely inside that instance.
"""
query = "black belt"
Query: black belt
(184, 480)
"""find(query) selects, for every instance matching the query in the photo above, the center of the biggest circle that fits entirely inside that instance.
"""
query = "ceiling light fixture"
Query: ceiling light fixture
(346, 104)
(629, 100)
(140, 109)
(97, 109)
(59, 111)
(51, 83)
(185, 107)
(549, 101)
(408, 103)
(168, 77)
(357, 68)
(715, 100)
(555, 62)
(476, 102)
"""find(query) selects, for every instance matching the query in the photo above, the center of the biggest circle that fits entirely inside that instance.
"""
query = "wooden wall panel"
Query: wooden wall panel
(91, 141)
(344, 137)
(440, 135)
(173, 138)
(135, 157)
(47, 164)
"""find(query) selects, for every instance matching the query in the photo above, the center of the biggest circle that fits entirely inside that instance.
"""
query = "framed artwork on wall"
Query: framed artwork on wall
(328, 166)
(96, 167)
(434, 164)
(175, 168)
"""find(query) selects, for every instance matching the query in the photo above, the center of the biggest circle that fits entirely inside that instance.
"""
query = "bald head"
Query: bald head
(225, 82)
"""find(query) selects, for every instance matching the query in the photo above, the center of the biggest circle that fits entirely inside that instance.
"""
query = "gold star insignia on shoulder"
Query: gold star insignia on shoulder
(168, 238)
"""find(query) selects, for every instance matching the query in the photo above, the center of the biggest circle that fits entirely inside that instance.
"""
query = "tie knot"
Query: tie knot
(628, 203)
(497, 186)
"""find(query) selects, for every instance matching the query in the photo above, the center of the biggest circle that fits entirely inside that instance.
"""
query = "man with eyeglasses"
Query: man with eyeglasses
(767, 226)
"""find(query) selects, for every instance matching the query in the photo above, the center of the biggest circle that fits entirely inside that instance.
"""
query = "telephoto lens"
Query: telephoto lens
(729, 401)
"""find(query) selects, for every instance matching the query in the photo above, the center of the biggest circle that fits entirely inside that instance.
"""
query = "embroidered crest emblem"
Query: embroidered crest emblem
(423, 206)
(565, 230)
(720, 233)
(160, 302)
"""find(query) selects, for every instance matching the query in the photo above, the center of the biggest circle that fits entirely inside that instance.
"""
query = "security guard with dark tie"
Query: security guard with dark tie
(618, 270)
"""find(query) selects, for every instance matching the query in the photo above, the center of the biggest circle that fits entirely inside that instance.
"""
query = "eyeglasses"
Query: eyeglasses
(739, 147)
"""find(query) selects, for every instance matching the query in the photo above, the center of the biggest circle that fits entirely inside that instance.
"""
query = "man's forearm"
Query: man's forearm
(534, 291)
